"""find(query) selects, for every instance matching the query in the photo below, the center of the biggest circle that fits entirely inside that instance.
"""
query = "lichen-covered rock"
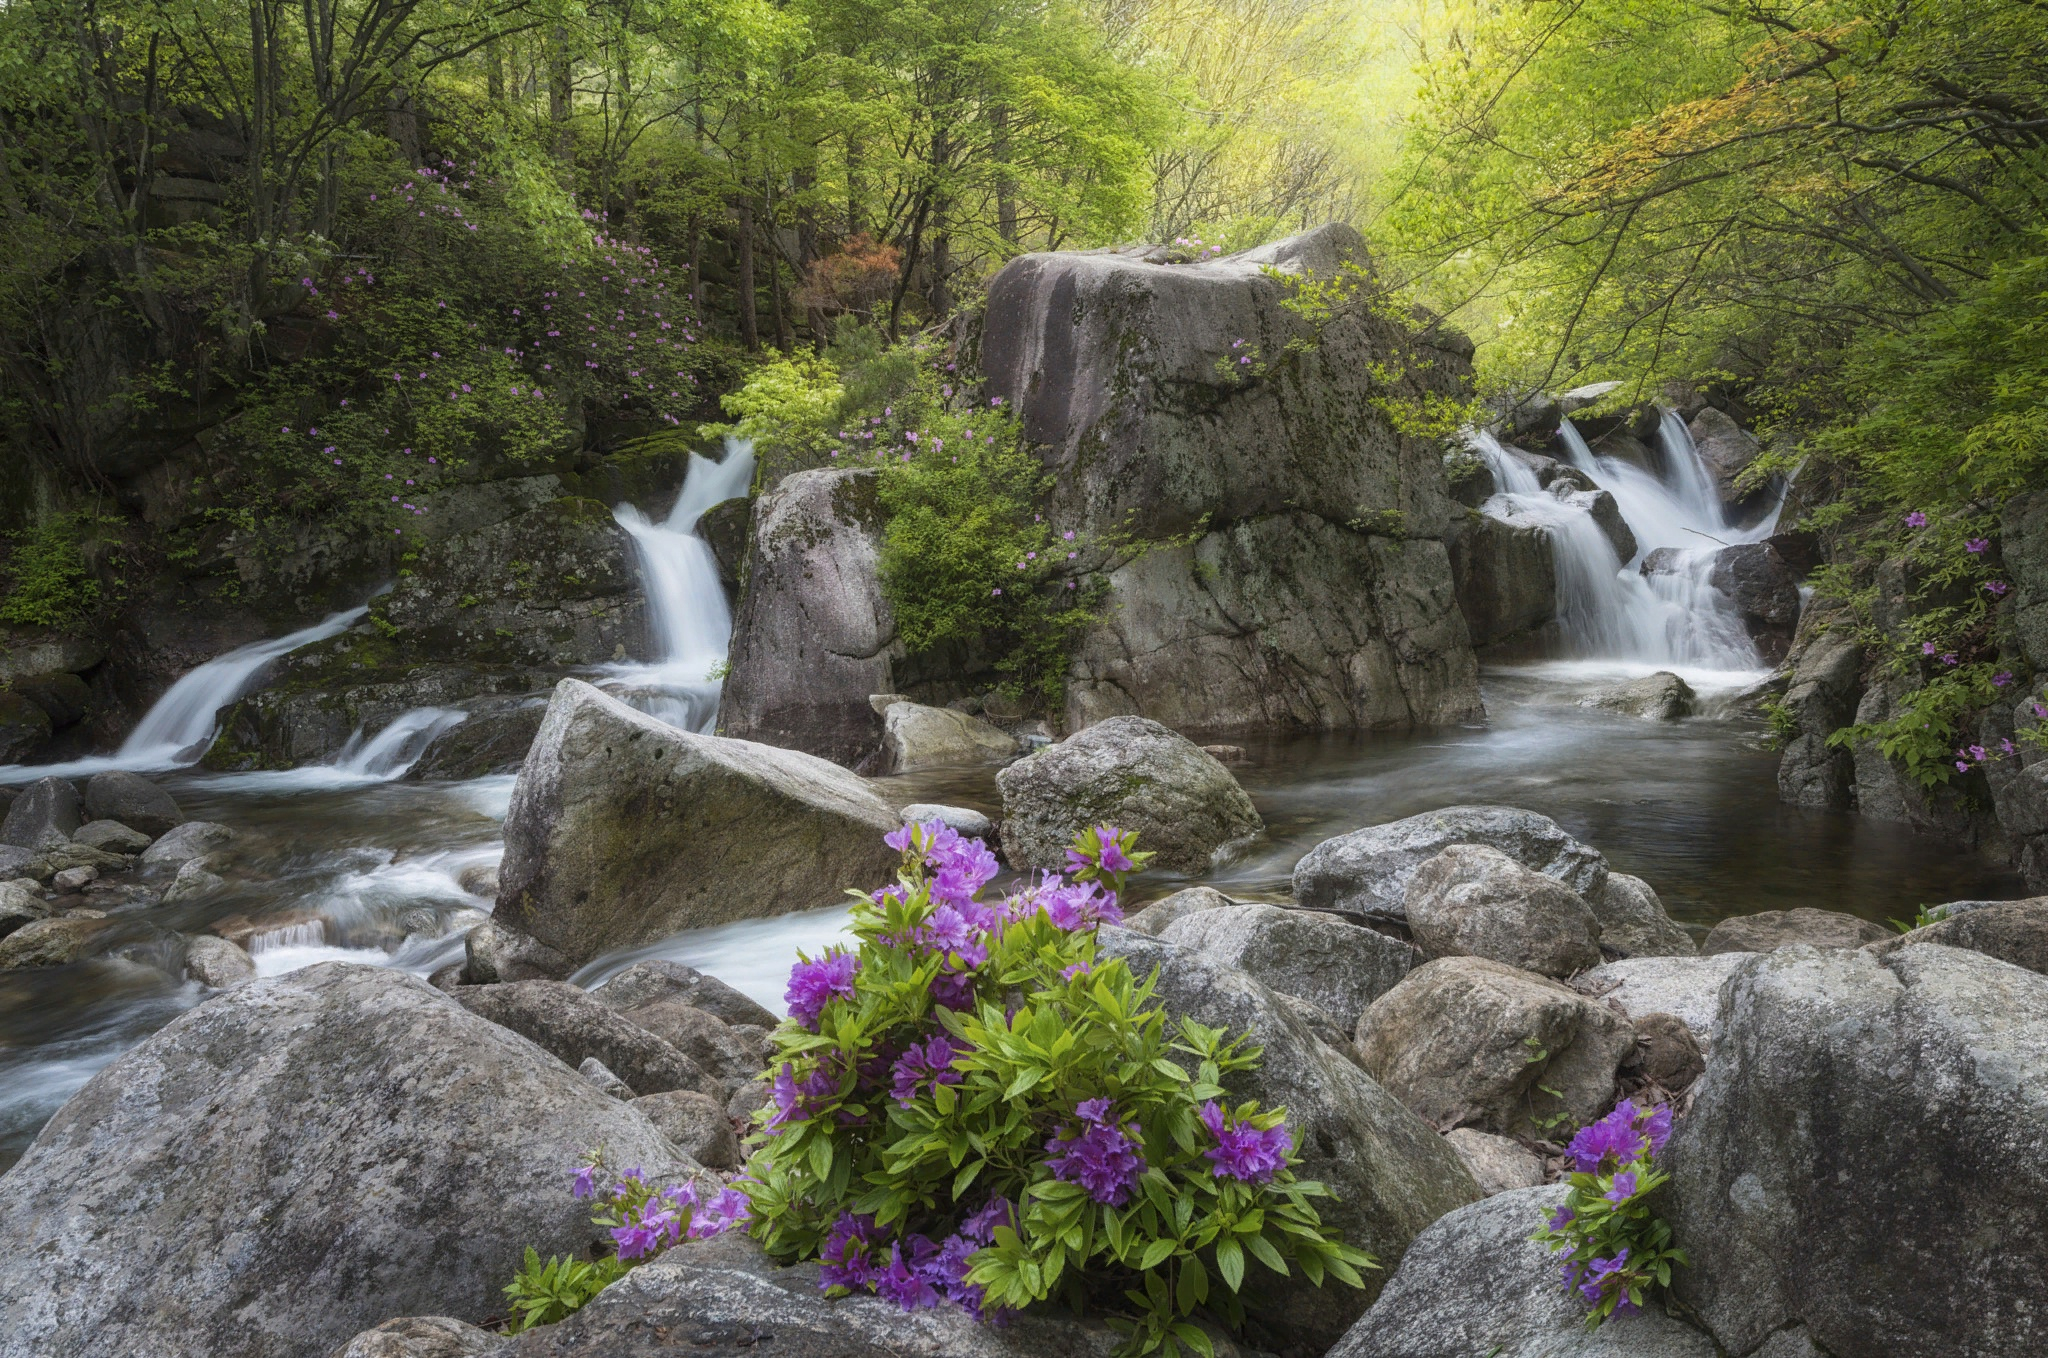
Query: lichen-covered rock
(1504, 575)
(111, 836)
(1319, 592)
(1688, 987)
(43, 817)
(1662, 696)
(217, 963)
(421, 1337)
(2011, 931)
(659, 981)
(1468, 1042)
(1868, 1124)
(813, 636)
(132, 800)
(1475, 1286)
(185, 842)
(1498, 1163)
(1338, 966)
(918, 737)
(494, 953)
(21, 902)
(1770, 929)
(294, 1160)
(51, 942)
(1154, 918)
(696, 1123)
(1366, 872)
(1474, 901)
(1391, 1173)
(1821, 699)
(624, 830)
(1133, 773)
(573, 1026)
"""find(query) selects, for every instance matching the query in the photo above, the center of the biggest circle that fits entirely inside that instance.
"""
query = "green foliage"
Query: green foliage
(1782, 721)
(543, 1293)
(1603, 1216)
(49, 583)
(1922, 917)
(785, 405)
(1034, 1026)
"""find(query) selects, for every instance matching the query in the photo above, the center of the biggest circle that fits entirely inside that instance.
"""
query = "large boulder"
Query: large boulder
(1298, 576)
(813, 636)
(43, 817)
(659, 981)
(1468, 1042)
(1820, 700)
(1504, 574)
(192, 839)
(1474, 1285)
(111, 836)
(1366, 872)
(1662, 696)
(1765, 593)
(575, 1027)
(1315, 957)
(1473, 901)
(1634, 923)
(624, 829)
(1391, 1173)
(24, 729)
(132, 800)
(1867, 1155)
(2011, 931)
(918, 737)
(1770, 929)
(1687, 987)
(295, 1160)
(1132, 773)
(1727, 449)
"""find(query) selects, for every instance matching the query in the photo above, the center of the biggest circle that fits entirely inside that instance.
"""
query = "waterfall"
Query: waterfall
(394, 749)
(689, 626)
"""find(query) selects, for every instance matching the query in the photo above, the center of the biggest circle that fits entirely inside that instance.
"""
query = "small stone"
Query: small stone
(183, 843)
(217, 963)
(595, 1071)
(1226, 754)
(966, 821)
(421, 1337)
(697, 1124)
(1498, 1163)
(882, 702)
(1666, 1053)
(749, 1099)
(111, 836)
(479, 879)
(21, 902)
(195, 881)
(73, 880)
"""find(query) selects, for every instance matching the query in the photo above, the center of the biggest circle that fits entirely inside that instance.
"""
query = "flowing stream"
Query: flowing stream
(348, 861)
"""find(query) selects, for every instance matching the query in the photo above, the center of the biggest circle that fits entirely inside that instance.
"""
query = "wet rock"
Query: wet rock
(421, 1337)
(2011, 931)
(294, 1160)
(1154, 918)
(573, 1026)
(1474, 901)
(697, 1124)
(1607, 514)
(1367, 871)
(649, 983)
(965, 820)
(1867, 1124)
(111, 836)
(2023, 528)
(74, 855)
(1727, 449)
(132, 800)
(599, 1074)
(1226, 754)
(1391, 1173)
(918, 737)
(64, 696)
(624, 830)
(727, 1297)
(24, 729)
(1662, 696)
(1770, 929)
(479, 879)
(1765, 591)
(813, 636)
(1688, 987)
(217, 963)
(187, 841)
(43, 817)
(1132, 773)
(195, 881)
(1633, 922)
(1475, 1286)
(724, 527)
(51, 942)
(492, 740)
(21, 902)
(1498, 1163)
(1465, 1041)
(1324, 598)
(1505, 576)
(73, 880)
(1340, 967)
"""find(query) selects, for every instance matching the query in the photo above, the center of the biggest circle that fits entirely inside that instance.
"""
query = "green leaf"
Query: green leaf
(1230, 1262)
(1157, 1253)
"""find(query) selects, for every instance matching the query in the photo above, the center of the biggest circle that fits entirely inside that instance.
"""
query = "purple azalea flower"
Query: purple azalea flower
(981, 1227)
(953, 990)
(947, 930)
(2001, 679)
(1101, 1157)
(729, 1209)
(902, 837)
(586, 1182)
(1561, 1218)
(799, 1100)
(1977, 545)
(1655, 1125)
(812, 984)
(926, 1064)
(909, 1283)
(1078, 969)
(843, 1262)
(1599, 1272)
(1244, 1152)
(1624, 1187)
(1928, 648)
(1916, 520)
(1997, 588)
(1613, 1140)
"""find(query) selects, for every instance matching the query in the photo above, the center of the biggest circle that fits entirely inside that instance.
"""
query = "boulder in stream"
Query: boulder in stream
(133, 800)
(1505, 576)
(21, 902)
(659, 981)
(43, 817)
(1132, 773)
(1475, 901)
(1662, 696)
(297, 1159)
(185, 842)
(112, 836)
(624, 830)
(1367, 871)
(1688, 987)
(1155, 918)
(52, 942)
(217, 963)
(493, 953)
(918, 737)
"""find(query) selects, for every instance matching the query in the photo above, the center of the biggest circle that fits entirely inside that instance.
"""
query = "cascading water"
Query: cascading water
(393, 750)
(689, 626)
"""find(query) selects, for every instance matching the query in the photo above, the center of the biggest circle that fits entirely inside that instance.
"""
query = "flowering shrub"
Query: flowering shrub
(973, 1106)
(1614, 1246)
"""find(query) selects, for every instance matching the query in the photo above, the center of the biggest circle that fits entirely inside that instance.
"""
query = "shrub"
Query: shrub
(49, 583)
(973, 1106)
(1615, 1247)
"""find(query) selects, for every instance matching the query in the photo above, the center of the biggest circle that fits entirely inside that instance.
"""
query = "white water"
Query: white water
(689, 625)
(1607, 609)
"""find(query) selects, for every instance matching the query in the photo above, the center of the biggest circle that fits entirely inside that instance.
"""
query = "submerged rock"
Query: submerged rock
(1469, 1042)
(132, 800)
(624, 830)
(1391, 1173)
(294, 1160)
(918, 737)
(1662, 696)
(1340, 967)
(1475, 1286)
(1132, 773)
(1770, 929)
(43, 817)
(1473, 901)
(1867, 1156)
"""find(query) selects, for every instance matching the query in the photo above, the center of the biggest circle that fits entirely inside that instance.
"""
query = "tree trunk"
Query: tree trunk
(558, 92)
(696, 269)
(784, 340)
(750, 325)
(1006, 187)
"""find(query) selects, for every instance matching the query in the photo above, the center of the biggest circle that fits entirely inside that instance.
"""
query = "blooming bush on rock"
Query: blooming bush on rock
(972, 1107)
(1614, 1246)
